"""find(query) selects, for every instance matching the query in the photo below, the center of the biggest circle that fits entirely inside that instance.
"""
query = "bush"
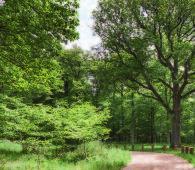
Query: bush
(86, 151)
(54, 130)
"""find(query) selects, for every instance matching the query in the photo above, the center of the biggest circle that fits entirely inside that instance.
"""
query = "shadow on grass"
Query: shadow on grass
(9, 156)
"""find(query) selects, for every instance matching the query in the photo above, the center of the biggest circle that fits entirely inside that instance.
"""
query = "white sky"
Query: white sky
(87, 38)
(1, 2)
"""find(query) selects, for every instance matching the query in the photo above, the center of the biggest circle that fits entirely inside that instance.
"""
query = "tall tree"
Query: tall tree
(157, 36)
(31, 33)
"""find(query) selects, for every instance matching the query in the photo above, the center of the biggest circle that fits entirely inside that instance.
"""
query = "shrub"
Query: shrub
(41, 128)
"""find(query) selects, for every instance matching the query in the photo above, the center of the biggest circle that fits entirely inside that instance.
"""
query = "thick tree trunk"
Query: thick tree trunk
(175, 135)
(176, 123)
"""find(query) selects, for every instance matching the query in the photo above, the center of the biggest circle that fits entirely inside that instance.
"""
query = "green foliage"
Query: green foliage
(31, 34)
(46, 91)
(85, 123)
(45, 128)
(37, 26)
(75, 64)
(188, 119)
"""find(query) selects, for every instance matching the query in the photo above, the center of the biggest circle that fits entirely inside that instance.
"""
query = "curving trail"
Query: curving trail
(157, 161)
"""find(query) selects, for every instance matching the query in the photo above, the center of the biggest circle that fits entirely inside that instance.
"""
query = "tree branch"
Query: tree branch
(184, 77)
(188, 93)
(165, 83)
(146, 95)
(148, 85)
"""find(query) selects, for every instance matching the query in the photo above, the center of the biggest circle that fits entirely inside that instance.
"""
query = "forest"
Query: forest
(74, 109)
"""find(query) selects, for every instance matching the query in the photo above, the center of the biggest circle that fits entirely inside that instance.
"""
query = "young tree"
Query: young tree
(157, 36)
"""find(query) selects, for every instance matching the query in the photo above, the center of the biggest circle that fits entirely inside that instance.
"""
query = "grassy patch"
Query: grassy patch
(92, 156)
(7, 146)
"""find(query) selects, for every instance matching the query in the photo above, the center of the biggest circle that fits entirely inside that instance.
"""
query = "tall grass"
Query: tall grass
(91, 156)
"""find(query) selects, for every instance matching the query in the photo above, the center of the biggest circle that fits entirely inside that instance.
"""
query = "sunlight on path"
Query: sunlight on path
(157, 161)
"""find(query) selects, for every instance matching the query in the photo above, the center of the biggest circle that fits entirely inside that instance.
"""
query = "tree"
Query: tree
(157, 37)
(40, 126)
(75, 64)
(31, 33)
(39, 25)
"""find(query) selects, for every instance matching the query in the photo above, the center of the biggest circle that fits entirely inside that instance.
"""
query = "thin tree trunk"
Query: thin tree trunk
(122, 122)
(132, 121)
(152, 131)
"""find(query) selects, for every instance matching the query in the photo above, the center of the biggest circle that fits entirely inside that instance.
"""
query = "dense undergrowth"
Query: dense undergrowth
(91, 156)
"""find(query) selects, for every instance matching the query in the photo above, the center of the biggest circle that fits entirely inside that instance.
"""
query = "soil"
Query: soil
(157, 161)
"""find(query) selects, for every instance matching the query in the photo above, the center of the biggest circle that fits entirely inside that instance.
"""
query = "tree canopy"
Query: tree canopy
(31, 33)
(157, 37)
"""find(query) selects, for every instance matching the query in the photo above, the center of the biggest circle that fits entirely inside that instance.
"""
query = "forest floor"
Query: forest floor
(157, 161)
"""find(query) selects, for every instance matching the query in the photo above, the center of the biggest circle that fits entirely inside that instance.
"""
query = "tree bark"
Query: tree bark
(132, 120)
(66, 88)
(176, 123)
(152, 122)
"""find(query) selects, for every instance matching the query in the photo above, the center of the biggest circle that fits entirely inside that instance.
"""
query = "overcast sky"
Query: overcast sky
(1, 2)
(87, 38)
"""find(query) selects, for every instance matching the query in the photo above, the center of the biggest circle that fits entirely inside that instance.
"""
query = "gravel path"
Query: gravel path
(157, 161)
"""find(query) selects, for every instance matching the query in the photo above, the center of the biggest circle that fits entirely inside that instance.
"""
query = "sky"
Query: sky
(1, 2)
(87, 38)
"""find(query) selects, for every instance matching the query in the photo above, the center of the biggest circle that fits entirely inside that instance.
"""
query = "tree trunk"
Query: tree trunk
(66, 88)
(176, 123)
(122, 122)
(152, 122)
(132, 120)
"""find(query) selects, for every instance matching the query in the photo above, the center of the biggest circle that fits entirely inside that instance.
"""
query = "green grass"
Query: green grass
(189, 158)
(99, 157)
(7, 146)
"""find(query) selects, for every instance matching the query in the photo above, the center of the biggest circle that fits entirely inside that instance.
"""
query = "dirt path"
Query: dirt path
(157, 161)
